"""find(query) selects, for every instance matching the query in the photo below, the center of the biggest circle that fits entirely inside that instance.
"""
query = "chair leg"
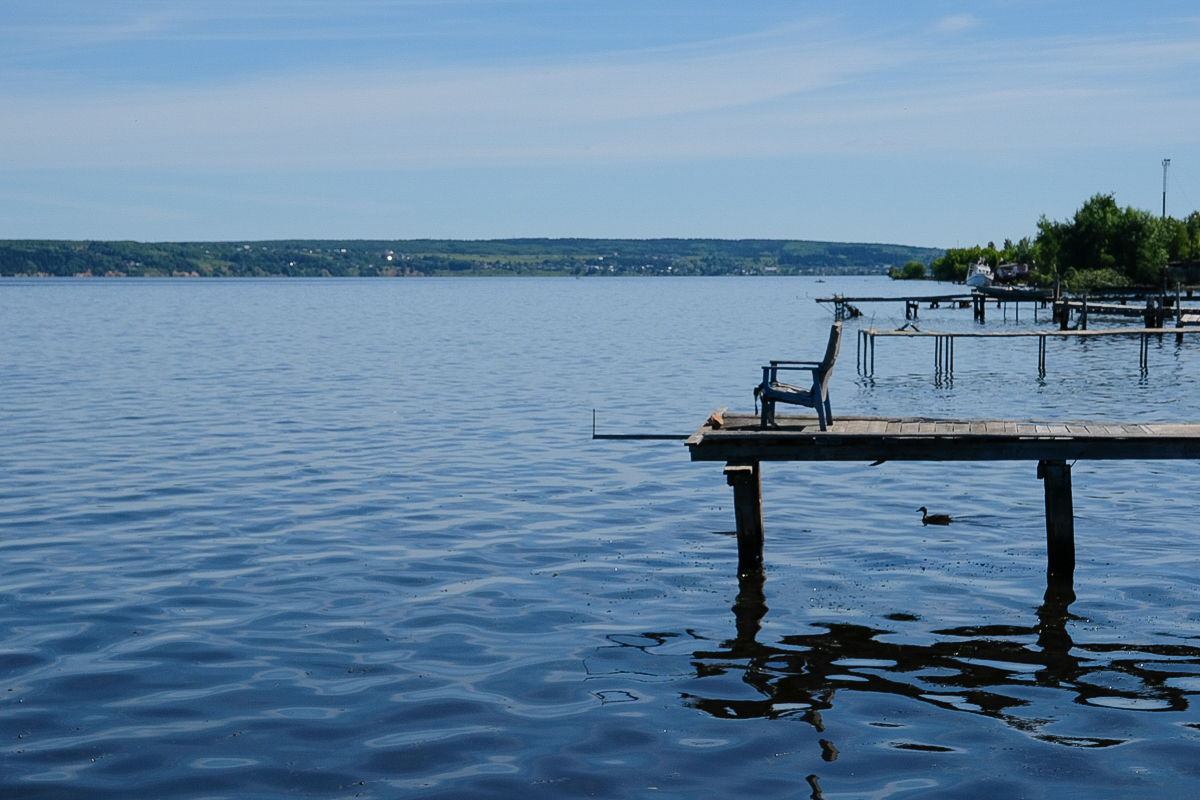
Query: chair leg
(768, 413)
(828, 413)
(820, 408)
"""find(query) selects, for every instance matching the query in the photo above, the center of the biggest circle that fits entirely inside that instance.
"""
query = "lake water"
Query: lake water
(351, 538)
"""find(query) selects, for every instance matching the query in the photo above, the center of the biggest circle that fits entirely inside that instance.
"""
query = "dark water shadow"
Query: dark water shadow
(978, 670)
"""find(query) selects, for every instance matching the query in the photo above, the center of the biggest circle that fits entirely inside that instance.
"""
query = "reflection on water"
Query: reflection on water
(972, 669)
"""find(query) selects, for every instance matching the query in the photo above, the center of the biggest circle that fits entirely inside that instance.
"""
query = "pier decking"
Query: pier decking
(798, 438)
(743, 445)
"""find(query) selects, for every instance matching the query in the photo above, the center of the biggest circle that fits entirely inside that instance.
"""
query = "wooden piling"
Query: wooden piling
(747, 509)
(1178, 314)
(1060, 518)
(943, 353)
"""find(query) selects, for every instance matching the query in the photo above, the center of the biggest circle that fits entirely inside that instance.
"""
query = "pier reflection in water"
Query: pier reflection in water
(985, 670)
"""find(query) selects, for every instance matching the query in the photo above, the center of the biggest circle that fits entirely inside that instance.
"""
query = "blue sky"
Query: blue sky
(925, 123)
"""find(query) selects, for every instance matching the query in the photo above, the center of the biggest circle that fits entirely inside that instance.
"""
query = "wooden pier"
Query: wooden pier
(843, 307)
(743, 445)
(1156, 310)
(943, 354)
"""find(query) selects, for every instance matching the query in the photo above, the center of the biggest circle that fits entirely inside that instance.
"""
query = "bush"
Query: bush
(1078, 281)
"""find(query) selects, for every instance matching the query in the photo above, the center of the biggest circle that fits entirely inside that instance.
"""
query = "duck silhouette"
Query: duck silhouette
(933, 519)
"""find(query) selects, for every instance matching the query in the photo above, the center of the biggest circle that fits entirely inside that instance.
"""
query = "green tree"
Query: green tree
(1183, 237)
(1104, 245)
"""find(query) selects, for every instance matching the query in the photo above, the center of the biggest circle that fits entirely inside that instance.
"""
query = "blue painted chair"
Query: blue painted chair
(771, 391)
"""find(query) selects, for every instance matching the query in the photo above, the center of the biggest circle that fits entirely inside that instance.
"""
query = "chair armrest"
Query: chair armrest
(780, 368)
(813, 363)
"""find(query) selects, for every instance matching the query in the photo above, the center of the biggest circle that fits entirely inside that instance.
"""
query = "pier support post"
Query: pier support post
(747, 508)
(1178, 313)
(1060, 518)
(977, 301)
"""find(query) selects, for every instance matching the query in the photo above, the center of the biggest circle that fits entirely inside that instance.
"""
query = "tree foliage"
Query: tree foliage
(1105, 244)
(911, 271)
(1102, 245)
(1183, 237)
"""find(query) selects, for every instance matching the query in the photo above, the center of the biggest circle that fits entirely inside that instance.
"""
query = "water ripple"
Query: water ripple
(351, 538)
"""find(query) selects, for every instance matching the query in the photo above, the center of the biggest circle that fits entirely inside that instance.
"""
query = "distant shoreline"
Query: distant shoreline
(497, 274)
(452, 258)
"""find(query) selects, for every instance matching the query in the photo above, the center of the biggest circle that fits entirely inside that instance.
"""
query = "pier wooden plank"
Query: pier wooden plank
(799, 438)
(1168, 429)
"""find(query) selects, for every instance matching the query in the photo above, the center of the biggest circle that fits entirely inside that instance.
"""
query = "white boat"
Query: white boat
(979, 275)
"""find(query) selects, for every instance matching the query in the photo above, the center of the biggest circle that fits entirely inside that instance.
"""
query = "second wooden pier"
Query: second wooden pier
(742, 444)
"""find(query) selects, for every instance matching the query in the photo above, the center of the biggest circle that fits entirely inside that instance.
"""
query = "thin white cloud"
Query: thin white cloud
(77, 24)
(956, 23)
(787, 92)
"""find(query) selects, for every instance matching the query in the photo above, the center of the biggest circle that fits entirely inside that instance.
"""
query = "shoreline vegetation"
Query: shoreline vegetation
(434, 258)
(1103, 246)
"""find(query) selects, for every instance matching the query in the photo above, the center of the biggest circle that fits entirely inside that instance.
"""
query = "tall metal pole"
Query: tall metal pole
(1166, 163)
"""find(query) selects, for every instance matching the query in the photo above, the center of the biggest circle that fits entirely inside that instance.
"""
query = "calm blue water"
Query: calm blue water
(351, 538)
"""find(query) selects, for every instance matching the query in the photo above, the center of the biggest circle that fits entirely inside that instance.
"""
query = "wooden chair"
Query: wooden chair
(771, 391)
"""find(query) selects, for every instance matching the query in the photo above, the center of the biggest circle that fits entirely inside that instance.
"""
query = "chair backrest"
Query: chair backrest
(835, 344)
(821, 384)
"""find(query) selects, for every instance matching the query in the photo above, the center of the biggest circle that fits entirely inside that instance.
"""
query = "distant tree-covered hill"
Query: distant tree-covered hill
(454, 257)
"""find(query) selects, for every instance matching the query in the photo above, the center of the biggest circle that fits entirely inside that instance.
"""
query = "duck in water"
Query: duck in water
(933, 519)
